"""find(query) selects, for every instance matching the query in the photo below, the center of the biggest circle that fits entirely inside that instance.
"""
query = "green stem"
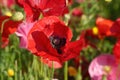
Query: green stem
(52, 71)
(66, 71)
(16, 70)
(2, 26)
(1, 31)
(41, 67)
(104, 77)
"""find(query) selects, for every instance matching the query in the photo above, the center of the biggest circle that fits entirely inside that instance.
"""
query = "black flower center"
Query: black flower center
(57, 43)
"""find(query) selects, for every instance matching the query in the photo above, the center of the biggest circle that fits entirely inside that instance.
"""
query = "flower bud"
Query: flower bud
(17, 16)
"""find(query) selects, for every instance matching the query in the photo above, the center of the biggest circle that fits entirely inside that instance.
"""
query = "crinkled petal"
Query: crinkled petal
(50, 7)
(104, 26)
(39, 42)
(73, 49)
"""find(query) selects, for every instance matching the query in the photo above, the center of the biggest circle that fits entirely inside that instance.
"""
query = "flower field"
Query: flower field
(59, 40)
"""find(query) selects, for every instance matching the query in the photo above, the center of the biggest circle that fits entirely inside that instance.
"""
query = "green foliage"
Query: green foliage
(25, 65)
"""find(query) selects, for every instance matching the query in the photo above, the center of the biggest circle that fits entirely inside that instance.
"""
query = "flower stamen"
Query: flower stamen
(57, 42)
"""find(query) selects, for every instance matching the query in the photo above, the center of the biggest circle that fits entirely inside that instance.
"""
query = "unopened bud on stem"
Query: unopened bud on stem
(17, 16)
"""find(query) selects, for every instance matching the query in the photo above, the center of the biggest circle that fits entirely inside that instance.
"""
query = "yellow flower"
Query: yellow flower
(95, 30)
(8, 13)
(10, 72)
(72, 71)
(108, 0)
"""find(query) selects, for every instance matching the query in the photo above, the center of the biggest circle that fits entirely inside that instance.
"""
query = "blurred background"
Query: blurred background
(19, 64)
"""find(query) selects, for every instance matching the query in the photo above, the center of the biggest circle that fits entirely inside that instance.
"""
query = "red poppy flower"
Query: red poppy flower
(47, 7)
(50, 39)
(116, 51)
(115, 29)
(104, 26)
(8, 28)
(32, 14)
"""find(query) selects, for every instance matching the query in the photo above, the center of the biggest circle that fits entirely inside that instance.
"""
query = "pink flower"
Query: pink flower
(7, 3)
(104, 65)
(22, 32)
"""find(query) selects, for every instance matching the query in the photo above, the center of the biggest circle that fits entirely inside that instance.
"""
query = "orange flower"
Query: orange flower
(72, 71)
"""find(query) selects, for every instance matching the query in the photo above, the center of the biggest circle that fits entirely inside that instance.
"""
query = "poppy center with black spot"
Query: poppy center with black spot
(57, 43)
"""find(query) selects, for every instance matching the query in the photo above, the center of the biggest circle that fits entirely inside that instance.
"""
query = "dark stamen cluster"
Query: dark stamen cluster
(57, 42)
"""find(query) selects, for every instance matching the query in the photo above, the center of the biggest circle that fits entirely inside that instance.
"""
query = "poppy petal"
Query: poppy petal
(73, 48)
(115, 29)
(97, 68)
(104, 26)
(62, 31)
(32, 14)
(116, 51)
(40, 43)
(52, 25)
(55, 64)
(50, 7)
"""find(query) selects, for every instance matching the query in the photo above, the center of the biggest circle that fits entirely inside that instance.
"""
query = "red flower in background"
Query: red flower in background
(90, 38)
(116, 51)
(104, 26)
(50, 39)
(77, 12)
(47, 7)
(90, 33)
(32, 14)
(115, 29)
(9, 27)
